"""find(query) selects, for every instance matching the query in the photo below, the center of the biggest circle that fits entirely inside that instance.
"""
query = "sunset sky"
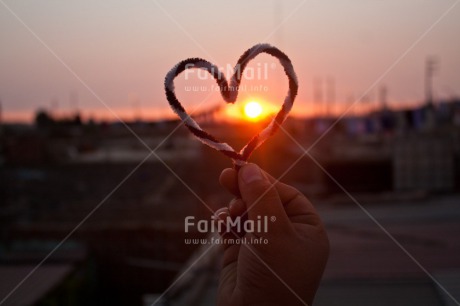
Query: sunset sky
(120, 51)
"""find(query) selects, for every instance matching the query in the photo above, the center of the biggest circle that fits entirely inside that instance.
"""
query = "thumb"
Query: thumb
(260, 195)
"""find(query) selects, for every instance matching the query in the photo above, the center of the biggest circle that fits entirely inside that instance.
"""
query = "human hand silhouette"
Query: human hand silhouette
(288, 268)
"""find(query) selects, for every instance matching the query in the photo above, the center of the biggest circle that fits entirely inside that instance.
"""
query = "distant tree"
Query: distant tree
(77, 120)
(43, 119)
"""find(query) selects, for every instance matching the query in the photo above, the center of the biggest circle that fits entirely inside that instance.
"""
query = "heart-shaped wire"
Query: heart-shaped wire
(230, 94)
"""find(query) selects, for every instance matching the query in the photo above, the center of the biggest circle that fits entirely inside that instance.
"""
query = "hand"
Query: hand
(285, 271)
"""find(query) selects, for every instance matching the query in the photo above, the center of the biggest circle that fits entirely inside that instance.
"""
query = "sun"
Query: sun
(253, 110)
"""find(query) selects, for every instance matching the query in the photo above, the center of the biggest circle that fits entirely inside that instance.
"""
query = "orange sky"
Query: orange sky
(119, 52)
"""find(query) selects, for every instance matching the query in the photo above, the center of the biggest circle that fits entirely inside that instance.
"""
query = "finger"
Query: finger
(260, 196)
(219, 219)
(229, 180)
(236, 208)
(295, 203)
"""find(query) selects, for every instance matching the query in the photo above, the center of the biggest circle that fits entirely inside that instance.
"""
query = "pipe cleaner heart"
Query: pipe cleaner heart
(230, 94)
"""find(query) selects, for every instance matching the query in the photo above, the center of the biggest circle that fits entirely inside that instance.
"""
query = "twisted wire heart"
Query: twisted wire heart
(230, 94)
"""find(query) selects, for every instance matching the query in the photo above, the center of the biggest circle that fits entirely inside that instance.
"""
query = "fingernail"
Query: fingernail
(222, 213)
(251, 173)
(231, 205)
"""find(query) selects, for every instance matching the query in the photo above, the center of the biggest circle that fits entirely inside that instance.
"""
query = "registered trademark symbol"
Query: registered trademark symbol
(273, 218)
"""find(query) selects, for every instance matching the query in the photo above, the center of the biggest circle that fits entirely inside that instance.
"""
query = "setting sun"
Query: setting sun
(253, 110)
